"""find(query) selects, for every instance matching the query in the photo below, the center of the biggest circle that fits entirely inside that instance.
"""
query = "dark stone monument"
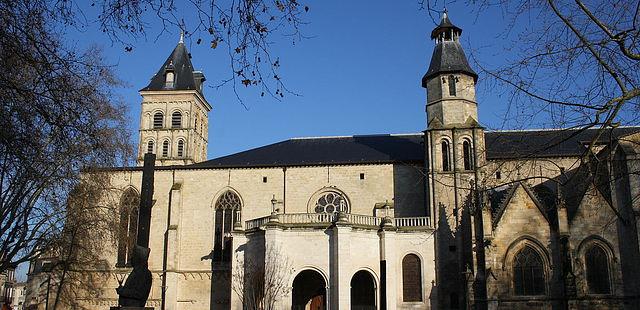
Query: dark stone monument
(134, 293)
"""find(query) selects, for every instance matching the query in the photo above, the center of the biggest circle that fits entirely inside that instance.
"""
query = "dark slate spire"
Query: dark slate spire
(178, 64)
(448, 55)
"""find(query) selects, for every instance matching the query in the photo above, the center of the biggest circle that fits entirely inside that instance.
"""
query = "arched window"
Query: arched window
(227, 212)
(331, 202)
(195, 124)
(411, 278)
(446, 155)
(158, 120)
(597, 268)
(165, 148)
(528, 273)
(128, 230)
(180, 148)
(169, 79)
(150, 147)
(467, 154)
(452, 85)
(176, 119)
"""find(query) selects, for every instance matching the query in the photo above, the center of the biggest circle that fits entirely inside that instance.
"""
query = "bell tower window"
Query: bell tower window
(452, 85)
(446, 157)
(150, 147)
(165, 148)
(176, 119)
(158, 120)
(468, 155)
(180, 148)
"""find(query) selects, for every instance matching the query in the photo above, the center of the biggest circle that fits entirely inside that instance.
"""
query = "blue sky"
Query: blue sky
(358, 73)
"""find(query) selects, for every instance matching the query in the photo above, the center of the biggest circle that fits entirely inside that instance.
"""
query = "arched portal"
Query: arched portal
(363, 291)
(309, 291)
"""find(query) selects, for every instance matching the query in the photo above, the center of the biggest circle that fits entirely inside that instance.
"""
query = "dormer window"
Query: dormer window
(169, 79)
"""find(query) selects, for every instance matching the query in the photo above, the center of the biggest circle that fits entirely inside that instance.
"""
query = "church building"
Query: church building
(450, 217)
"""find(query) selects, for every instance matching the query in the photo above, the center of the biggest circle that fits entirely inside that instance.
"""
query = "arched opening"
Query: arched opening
(150, 147)
(446, 155)
(158, 120)
(180, 148)
(363, 291)
(176, 119)
(452, 85)
(128, 230)
(309, 291)
(528, 273)
(468, 155)
(597, 268)
(227, 213)
(165, 148)
(411, 278)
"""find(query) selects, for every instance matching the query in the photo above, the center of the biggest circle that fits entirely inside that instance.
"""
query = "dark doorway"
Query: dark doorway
(309, 291)
(363, 291)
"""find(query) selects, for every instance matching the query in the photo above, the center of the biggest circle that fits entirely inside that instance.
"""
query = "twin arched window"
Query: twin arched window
(467, 155)
(411, 278)
(528, 273)
(597, 270)
(227, 212)
(128, 230)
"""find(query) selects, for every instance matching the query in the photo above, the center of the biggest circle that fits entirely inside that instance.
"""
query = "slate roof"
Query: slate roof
(180, 62)
(546, 143)
(404, 148)
(328, 150)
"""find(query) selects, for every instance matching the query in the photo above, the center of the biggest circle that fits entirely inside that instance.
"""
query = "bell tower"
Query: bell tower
(454, 151)
(174, 119)
(450, 81)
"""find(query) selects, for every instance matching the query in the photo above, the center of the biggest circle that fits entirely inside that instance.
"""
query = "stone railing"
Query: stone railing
(363, 220)
(256, 223)
(306, 218)
(323, 219)
(412, 221)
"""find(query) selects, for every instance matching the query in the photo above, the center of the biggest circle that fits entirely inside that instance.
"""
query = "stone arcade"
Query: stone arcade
(445, 218)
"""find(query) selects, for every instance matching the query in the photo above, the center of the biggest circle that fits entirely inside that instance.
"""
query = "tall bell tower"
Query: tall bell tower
(455, 148)
(174, 119)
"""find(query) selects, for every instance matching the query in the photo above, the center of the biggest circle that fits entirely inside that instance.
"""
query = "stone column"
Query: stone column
(388, 255)
(239, 239)
(340, 264)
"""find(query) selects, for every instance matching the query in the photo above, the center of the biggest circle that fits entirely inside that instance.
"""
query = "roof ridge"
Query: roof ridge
(358, 136)
(554, 129)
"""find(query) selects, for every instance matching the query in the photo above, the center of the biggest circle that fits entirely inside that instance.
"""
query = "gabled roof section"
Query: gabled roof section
(547, 143)
(180, 63)
(499, 208)
(373, 149)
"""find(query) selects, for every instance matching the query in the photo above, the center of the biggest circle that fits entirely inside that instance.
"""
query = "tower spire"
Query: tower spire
(181, 37)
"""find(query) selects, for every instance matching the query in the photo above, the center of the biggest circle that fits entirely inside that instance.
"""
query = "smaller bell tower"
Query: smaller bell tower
(455, 154)
(174, 121)
(450, 81)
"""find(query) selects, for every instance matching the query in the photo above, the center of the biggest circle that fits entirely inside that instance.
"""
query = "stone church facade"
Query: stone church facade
(447, 218)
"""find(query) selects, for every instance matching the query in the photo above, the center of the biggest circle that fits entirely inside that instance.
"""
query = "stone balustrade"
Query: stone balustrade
(325, 219)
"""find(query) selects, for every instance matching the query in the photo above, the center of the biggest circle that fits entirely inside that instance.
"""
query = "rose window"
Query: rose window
(331, 202)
